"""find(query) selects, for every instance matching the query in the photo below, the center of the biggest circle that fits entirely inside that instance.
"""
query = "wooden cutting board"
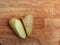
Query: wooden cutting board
(46, 28)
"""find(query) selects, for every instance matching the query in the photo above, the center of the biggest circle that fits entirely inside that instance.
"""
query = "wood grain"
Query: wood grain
(46, 27)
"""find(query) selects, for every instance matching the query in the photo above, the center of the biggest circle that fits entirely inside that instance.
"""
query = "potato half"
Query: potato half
(28, 23)
(17, 27)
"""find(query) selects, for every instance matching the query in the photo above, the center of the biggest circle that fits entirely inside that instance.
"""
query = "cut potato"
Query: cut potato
(28, 23)
(17, 26)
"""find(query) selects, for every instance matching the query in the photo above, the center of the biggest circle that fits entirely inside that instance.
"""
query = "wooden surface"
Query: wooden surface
(46, 28)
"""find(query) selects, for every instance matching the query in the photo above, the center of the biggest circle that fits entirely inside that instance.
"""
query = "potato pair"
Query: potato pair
(22, 28)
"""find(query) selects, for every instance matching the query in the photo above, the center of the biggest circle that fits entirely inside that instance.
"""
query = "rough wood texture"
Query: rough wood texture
(46, 28)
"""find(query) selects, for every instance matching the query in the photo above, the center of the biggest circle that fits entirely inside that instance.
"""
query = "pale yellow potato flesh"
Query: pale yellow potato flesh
(17, 27)
(28, 23)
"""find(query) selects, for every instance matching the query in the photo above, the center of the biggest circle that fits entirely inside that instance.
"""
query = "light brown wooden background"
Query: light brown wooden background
(46, 28)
